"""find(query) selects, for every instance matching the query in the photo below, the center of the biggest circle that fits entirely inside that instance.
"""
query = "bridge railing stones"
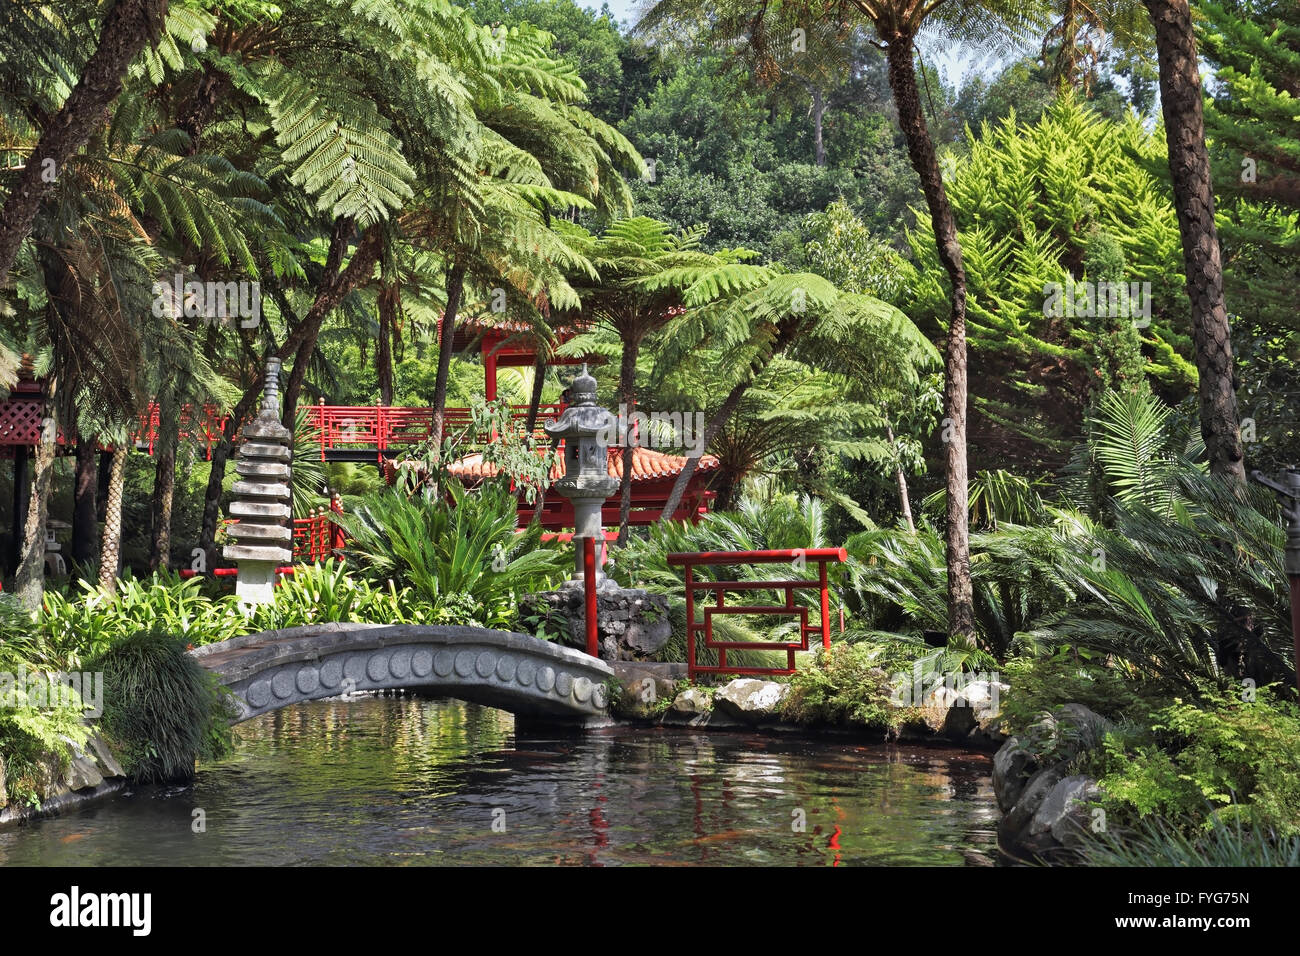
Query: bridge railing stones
(515, 672)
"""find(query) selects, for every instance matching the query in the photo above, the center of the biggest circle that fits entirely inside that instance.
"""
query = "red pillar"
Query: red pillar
(589, 590)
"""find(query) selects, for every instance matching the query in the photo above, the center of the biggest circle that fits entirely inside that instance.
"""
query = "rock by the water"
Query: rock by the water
(750, 699)
(1073, 728)
(639, 698)
(984, 698)
(692, 701)
(1012, 765)
(108, 764)
(1063, 817)
(1016, 820)
(82, 774)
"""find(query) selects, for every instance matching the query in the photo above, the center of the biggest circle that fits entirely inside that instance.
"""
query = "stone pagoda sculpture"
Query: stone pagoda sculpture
(586, 429)
(262, 532)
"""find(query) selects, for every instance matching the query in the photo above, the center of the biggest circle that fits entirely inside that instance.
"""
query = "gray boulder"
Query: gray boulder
(1011, 769)
(108, 764)
(749, 699)
(1016, 820)
(692, 701)
(1073, 728)
(82, 774)
(1063, 817)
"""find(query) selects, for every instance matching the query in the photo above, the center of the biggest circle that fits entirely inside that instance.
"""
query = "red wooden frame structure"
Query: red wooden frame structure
(796, 557)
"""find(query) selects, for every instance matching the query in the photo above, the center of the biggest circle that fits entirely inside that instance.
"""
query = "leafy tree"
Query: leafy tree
(1066, 199)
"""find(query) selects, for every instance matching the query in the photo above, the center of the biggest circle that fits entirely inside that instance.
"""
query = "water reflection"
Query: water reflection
(407, 781)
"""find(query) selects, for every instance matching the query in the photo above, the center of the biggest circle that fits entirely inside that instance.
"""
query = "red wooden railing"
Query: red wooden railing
(205, 428)
(798, 558)
(318, 536)
(380, 427)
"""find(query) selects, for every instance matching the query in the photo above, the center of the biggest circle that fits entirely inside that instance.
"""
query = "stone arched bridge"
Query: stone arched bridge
(514, 672)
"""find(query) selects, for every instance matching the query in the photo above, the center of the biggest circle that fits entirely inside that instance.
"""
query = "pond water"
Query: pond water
(401, 780)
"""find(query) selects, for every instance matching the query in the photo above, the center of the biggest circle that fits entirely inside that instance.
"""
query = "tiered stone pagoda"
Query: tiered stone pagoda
(261, 505)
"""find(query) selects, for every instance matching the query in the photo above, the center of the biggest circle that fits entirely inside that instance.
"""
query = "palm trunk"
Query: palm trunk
(1189, 166)
(627, 396)
(128, 25)
(85, 526)
(164, 487)
(455, 288)
(902, 80)
(29, 581)
(110, 555)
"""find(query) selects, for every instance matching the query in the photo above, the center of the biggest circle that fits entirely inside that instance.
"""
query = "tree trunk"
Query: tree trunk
(384, 348)
(904, 500)
(902, 80)
(164, 487)
(711, 430)
(128, 25)
(29, 581)
(110, 555)
(539, 382)
(85, 526)
(221, 453)
(22, 498)
(818, 114)
(301, 361)
(1189, 166)
(333, 287)
(627, 396)
(455, 288)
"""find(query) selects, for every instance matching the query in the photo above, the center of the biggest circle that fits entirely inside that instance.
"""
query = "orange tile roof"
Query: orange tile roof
(647, 465)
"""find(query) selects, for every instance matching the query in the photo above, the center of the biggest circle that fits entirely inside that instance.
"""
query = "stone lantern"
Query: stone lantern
(586, 429)
(263, 536)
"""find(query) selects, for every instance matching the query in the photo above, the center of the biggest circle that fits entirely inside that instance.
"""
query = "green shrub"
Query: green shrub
(91, 622)
(444, 550)
(161, 708)
(849, 684)
(36, 740)
(1039, 685)
(1224, 758)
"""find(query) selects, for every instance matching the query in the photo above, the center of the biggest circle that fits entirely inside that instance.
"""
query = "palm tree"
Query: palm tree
(756, 314)
(1189, 167)
(897, 24)
(643, 268)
